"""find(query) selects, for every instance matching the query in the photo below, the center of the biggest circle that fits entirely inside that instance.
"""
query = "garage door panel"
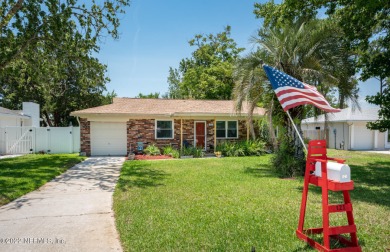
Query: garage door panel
(363, 138)
(108, 139)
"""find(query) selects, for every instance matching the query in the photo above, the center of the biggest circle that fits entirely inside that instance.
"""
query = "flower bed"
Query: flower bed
(148, 157)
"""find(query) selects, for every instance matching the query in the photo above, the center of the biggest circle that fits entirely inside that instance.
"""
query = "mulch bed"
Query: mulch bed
(146, 157)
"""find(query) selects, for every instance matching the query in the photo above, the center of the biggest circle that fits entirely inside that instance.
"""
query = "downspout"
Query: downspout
(343, 138)
(78, 120)
(349, 135)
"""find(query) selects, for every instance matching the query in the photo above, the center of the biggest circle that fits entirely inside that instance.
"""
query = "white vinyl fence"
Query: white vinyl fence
(315, 134)
(22, 140)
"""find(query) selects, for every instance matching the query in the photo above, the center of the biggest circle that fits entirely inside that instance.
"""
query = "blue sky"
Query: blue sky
(154, 36)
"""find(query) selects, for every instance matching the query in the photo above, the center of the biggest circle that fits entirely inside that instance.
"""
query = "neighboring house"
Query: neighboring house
(116, 129)
(347, 130)
(29, 116)
(20, 133)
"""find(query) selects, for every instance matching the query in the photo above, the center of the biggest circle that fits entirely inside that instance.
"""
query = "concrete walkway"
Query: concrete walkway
(380, 152)
(71, 213)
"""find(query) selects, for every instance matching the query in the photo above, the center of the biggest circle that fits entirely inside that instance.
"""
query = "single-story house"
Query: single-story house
(115, 129)
(347, 130)
(29, 116)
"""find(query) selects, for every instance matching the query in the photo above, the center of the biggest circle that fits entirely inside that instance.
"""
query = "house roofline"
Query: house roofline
(170, 115)
(15, 115)
(343, 121)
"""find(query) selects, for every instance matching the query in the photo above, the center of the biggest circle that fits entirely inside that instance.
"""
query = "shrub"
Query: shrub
(284, 162)
(197, 152)
(255, 148)
(192, 151)
(152, 150)
(170, 151)
(242, 148)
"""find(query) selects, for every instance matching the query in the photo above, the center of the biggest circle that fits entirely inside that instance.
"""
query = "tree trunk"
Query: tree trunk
(250, 121)
(271, 128)
(47, 119)
(296, 144)
(11, 13)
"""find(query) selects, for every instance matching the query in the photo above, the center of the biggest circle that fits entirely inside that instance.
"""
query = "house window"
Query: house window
(227, 129)
(164, 129)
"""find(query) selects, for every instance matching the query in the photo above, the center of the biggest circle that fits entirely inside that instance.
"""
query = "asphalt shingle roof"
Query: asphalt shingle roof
(136, 106)
(9, 112)
(348, 114)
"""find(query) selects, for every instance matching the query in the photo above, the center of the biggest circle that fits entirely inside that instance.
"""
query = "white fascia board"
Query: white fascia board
(14, 116)
(212, 115)
(153, 116)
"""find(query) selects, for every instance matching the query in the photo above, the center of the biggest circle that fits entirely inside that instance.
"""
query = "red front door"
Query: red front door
(200, 134)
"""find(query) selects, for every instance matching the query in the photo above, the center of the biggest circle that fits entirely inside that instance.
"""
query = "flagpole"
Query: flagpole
(296, 129)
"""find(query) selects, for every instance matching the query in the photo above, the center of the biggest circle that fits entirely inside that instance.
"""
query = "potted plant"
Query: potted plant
(218, 154)
(131, 156)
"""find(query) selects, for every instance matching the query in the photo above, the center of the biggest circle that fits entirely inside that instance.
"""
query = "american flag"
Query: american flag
(292, 92)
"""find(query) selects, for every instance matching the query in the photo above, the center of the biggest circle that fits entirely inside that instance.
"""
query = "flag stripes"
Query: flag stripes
(292, 92)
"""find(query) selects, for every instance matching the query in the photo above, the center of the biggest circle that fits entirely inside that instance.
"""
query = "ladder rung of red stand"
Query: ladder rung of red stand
(317, 153)
(340, 208)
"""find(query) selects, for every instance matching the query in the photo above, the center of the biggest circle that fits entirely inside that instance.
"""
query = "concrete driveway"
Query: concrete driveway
(71, 213)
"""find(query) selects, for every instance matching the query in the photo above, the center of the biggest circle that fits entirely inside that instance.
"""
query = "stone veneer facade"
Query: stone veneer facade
(143, 130)
(85, 136)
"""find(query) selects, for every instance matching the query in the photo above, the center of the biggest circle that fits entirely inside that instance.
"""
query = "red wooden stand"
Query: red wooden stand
(317, 153)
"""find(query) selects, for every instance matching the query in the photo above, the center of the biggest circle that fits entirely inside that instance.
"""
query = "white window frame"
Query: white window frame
(172, 128)
(226, 129)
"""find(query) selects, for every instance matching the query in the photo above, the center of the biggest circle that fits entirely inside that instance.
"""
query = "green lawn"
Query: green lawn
(234, 204)
(21, 175)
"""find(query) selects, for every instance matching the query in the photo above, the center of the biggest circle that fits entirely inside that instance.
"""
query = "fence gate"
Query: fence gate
(317, 134)
(24, 140)
(19, 140)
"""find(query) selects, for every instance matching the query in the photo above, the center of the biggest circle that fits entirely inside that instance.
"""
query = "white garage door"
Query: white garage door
(364, 138)
(108, 139)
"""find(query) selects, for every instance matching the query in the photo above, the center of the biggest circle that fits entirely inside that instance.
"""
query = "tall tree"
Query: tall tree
(59, 84)
(381, 99)
(26, 23)
(155, 95)
(174, 79)
(307, 51)
(250, 85)
(208, 73)
(46, 48)
(366, 27)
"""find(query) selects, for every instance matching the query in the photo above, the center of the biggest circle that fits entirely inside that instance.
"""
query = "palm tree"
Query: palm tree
(250, 85)
(306, 51)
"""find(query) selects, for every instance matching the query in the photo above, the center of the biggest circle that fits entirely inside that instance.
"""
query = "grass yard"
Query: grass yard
(21, 175)
(234, 204)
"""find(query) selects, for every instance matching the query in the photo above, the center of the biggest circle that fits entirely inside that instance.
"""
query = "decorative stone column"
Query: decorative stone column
(85, 136)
